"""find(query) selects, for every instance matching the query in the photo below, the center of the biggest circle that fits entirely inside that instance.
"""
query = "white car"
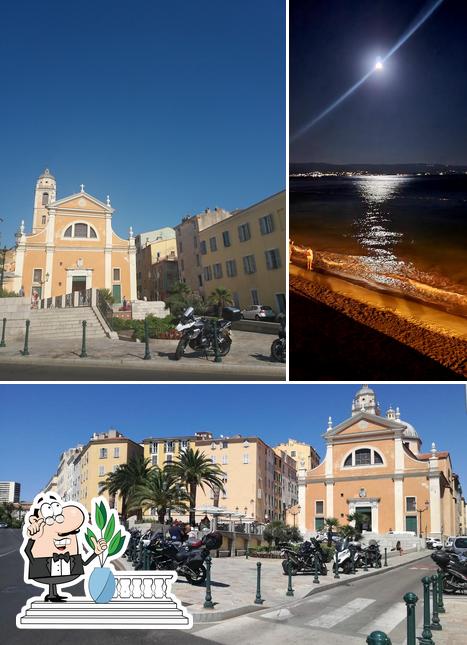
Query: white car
(259, 312)
(450, 541)
(434, 543)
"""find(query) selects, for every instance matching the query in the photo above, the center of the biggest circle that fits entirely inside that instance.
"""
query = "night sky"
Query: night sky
(414, 111)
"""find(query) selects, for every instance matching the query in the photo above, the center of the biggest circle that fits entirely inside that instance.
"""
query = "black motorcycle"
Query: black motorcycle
(307, 559)
(369, 555)
(201, 334)
(186, 559)
(279, 345)
(454, 568)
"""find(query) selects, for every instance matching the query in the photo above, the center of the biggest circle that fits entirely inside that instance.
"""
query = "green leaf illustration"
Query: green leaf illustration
(89, 535)
(109, 531)
(100, 521)
(104, 512)
(115, 544)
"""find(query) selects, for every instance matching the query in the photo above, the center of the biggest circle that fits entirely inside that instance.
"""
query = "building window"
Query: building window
(37, 275)
(319, 523)
(195, 242)
(348, 461)
(319, 507)
(244, 232)
(249, 264)
(115, 467)
(213, 459)
(363, 457)
(224, 460)
(182, 263)
(116, 275)
(225, 444)
(410, 504)
(198, 262)
(254, 297)
(44, 219)
(116, 453)
(202, 247)
(169, 446)
(226, 238)
(169, 458)
(231, 267)
(411, 523)
(246, 458)
(266, 224)
(154, 460)
(103, 453)
(183, 445)
(377, 458)
(45, 198)
(293, 453)
(80, 230)
(217, 269)
(212, 244)
(154, 445)
(200, 281)
(101, 471)
(273, 259)
(207, 274)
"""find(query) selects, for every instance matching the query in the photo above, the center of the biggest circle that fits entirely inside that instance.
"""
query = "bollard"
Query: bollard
(426, 633)
(365, 566)
(379, 560)
(352, 564)
(246, 554)
(385, 556)
(218, 358)
(410, 600)
(258, 599)
(147, 559)
(435, 622)
(208, 604)
(378, 638)
(147, 353)
(25, 351)
(289, 586)
(2, 342)
(336, 567)
(441, 609)
(83, 344)
(315, 577)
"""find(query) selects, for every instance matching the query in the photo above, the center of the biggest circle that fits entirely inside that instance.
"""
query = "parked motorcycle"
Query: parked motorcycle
(347, 555)
(186, 559)
(454, 568)
(308, 556)
(369, 554)
(279, 345)
(199, 333)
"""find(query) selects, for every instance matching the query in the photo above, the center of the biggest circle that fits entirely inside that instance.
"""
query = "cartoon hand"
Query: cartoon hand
(36, 526)
(100, 546)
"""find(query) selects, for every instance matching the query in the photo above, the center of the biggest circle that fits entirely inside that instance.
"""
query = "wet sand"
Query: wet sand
(343, 331)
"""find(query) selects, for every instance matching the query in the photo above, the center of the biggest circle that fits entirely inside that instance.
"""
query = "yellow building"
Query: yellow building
(72, 247)
(246, 254)
(301, 452)
(101, 456)
(156, 263)
(165, 449)
(374, 465)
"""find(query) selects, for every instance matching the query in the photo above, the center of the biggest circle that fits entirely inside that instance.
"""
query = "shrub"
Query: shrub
(156, 326)
(8, 294)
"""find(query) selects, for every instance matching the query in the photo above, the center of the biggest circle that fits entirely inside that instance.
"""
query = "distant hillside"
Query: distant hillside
(389, 168)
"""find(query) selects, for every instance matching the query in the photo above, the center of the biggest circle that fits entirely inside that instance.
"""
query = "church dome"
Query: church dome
(409, 432)
(46, 174)
(365, 401)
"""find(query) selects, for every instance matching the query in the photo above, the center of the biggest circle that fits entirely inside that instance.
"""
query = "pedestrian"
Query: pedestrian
(309, 259)
(21, 292)
(399, 547)
(34, 299)
(124, 303)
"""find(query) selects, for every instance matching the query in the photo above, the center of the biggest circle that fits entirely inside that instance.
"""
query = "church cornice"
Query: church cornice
(363, 416)
(64, 200)
(337, 479)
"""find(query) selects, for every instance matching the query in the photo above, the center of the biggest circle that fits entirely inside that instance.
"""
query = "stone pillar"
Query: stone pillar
(19, 260)
(329, 484)
(108, 252)
(435, 504)
(49, 253)
(132, 258)
(398, 503)
(301, 477)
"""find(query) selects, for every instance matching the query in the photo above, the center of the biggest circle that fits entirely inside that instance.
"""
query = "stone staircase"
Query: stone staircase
(65, 323)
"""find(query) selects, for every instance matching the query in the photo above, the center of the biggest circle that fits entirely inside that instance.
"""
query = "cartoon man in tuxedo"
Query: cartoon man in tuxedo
(52, 547)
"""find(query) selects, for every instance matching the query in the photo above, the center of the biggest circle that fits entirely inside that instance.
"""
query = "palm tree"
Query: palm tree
(162, 491)
(126, 479)
(192, 469)
(220, 297)
(359, 519)
(330, 523)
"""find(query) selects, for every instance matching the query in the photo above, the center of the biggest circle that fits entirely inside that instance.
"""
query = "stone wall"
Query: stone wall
(143, 308)
(16, 311)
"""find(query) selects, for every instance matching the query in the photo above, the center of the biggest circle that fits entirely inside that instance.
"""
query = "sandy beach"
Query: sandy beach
(343, 330)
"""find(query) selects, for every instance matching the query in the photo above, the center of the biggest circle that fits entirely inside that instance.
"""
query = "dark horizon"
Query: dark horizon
(416, 107)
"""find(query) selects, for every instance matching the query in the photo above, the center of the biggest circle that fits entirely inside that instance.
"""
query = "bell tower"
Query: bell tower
(46, 189)
(365, 401)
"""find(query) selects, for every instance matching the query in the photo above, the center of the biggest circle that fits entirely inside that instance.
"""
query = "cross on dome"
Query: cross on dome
(82, 188)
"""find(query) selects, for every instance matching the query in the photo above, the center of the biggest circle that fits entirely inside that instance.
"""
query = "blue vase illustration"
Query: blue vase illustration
(101, 584)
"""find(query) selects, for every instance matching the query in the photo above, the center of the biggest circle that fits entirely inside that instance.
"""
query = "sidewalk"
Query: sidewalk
(234, 585)
(454, 621)
(250, 352)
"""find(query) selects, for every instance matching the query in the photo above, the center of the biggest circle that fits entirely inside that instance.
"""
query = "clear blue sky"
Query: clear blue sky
(39, 421)
(170, 107)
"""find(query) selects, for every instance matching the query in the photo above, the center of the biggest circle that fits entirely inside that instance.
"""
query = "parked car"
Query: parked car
(459, 545)
(449, 541)
(3, 525)
(259, 312)
(434, 543)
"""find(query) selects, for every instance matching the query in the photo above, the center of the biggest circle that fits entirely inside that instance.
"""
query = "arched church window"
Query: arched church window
(81, 230)
(69, 232)
(45, 198)
(363, 457)
(348, 461)
(377, 458)
(92, 232)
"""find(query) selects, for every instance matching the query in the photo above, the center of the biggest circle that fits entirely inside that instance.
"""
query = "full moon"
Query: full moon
(378, 65)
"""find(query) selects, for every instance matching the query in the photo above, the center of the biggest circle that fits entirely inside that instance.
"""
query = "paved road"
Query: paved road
(78, 372)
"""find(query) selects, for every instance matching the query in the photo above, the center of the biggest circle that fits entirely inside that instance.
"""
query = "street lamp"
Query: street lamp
(294, 511)
(420, 511)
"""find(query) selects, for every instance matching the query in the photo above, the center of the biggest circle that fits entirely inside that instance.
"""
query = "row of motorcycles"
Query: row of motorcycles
(186, 558)
(207, 335)
(454, 568)
(310, 558)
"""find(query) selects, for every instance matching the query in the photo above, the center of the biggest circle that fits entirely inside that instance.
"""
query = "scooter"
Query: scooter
(454, 568)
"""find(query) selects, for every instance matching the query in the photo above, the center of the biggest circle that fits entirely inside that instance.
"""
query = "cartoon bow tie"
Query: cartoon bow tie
(62, 556)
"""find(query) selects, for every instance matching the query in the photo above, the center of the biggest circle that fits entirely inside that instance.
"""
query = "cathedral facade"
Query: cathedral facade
(72, 247)
(374, 466)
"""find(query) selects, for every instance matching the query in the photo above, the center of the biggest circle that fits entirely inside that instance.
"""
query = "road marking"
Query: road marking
(318, 597)
(337, 615)
(282, 614)
(8, 553)
(388, 620)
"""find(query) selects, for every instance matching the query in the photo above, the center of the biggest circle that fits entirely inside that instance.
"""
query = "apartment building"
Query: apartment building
(246, 254)
(165, 449)
(102, 455)
(10, 492)
(190, 266)
(286, 466)
(156, 263)
(303, 453)
(66, 473)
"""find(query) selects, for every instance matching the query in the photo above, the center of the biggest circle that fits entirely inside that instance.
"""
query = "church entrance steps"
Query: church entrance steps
(65, 323)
